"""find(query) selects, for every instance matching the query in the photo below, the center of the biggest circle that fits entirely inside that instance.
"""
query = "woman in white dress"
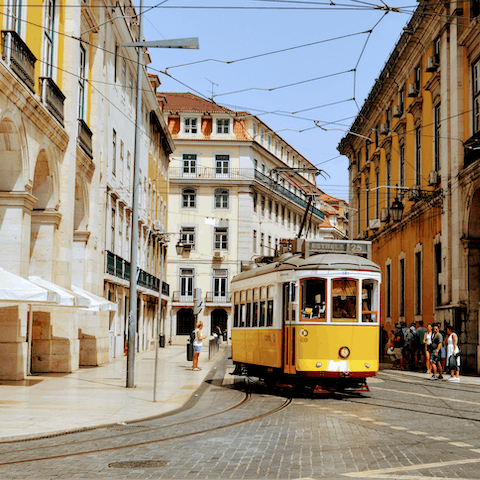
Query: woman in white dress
(453, 357)
(427, 340)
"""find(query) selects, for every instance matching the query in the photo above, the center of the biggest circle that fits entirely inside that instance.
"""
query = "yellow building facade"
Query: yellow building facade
(413, 150)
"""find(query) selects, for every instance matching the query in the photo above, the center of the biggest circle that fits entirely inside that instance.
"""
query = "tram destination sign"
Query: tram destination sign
(352, 247)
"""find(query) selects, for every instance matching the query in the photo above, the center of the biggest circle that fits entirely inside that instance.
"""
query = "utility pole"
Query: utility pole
(132, 317)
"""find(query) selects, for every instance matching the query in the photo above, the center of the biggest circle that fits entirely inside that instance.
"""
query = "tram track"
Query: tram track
(245, 402)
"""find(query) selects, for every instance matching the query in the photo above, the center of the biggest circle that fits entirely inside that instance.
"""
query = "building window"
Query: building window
(254, 241)
(388, 290)
(186, 284)
(359, 211)
(437, 274)
(401, 286)
(255, 202)
(254, 131)
(276, 148)
(262, 246)
(49, 37)
(220, 283)
(437, 136)
(418, 156)
(187, 236)
(81, 83)
(401, 100)
(112, 240)
(190, 125)
(222, 163)
(269, 142)
(263, 205)
(401, 156)
(377, 136)
(377, 194)
(418, 283)
(14, 16)
(223, 125)
(388, 119)
(367, 151)
(367, 204)
(114, 153)
(276, 212)
(270, 208)
(189, 196)
(221, 198)
(388, 179)
(359, 158)
(220, 238)
(418, 78)
(189, 165)
(262, 136)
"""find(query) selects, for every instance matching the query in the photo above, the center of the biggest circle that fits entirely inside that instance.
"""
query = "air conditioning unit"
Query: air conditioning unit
(187, 246)
(433, 178)
(412, 90)
(384, 215)
(218, 255)
(397, 111)
(158, 225)
(415, 193)
(432, 64)
(384, 129)
(375, 223)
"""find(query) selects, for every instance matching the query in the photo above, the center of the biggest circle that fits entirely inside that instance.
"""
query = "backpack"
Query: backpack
(193, 334)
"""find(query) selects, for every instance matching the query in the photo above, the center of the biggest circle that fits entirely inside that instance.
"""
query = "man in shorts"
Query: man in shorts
(436, 360)
(398, 344)
(420, 347)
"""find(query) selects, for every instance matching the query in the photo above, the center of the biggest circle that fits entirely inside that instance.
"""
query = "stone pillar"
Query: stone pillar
(15, 212)
(42, 247)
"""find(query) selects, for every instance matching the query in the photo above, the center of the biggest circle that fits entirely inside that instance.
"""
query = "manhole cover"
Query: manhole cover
(139, 464)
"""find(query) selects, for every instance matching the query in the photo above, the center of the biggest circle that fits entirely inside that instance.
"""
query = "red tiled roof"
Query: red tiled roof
(328, 198)
(190, 103)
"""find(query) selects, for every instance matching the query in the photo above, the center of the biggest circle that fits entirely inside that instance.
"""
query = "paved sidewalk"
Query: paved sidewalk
(58, 402)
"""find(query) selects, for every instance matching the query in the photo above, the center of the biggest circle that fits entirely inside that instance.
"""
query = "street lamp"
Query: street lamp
(180, 248)
(132, 320)
(397, 210)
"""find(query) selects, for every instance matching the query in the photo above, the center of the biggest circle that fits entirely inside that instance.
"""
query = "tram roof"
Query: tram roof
(323, 261)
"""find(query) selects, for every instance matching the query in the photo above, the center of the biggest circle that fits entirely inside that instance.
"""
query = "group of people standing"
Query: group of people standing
(417, 346)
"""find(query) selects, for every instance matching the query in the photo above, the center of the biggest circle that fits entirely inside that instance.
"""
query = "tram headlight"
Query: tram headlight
(319, 364)
(367, 365)
(344, 352)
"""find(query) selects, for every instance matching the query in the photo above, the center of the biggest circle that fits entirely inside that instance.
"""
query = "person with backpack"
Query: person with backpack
(453, 355)
(398, 345)
(197, 344)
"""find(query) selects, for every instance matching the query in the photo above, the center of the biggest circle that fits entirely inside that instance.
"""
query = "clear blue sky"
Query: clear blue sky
(239, 29)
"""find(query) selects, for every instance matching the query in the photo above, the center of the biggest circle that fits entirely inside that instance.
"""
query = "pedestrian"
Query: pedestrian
(398, 344)
(218, 334)
(420, 351)
(197, 345)
(453, 355)
(436, 360)
(427, 340)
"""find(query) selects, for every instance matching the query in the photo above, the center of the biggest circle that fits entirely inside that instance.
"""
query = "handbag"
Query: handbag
(390, 351)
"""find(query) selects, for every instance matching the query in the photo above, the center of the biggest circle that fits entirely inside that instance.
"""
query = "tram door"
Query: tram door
(289, 317)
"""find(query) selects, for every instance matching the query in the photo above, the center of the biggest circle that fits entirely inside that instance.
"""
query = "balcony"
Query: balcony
(120, 268)
(218, 298)
(182, 297)
(240, 174)
(53, 98)
(85, 137)
(19, 57)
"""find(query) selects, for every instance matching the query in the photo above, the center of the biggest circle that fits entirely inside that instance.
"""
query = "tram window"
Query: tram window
(235, 316)
(248, 317)
(262, 314)
(369, 301)
(344, 301)
(242, 315)
(255, 315)
(313, 292)
(269, 313)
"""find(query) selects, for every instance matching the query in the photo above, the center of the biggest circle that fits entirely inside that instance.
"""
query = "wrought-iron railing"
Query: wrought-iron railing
(216, 297)
(53, 98)
(240, 174)
(85, 137)
(19, 57)
(182, 297)
(116, 265)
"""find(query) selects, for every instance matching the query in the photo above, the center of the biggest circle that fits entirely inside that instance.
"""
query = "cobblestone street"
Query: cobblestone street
(405, 428)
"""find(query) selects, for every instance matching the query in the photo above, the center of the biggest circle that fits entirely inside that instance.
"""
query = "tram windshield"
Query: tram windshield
(313, 299)
(369, 301)
(344, 300)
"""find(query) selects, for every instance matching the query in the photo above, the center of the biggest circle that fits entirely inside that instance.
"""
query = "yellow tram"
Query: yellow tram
(310, 317)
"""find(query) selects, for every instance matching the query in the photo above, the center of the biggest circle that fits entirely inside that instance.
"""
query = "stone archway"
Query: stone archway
(11, 164)
(80, 232)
